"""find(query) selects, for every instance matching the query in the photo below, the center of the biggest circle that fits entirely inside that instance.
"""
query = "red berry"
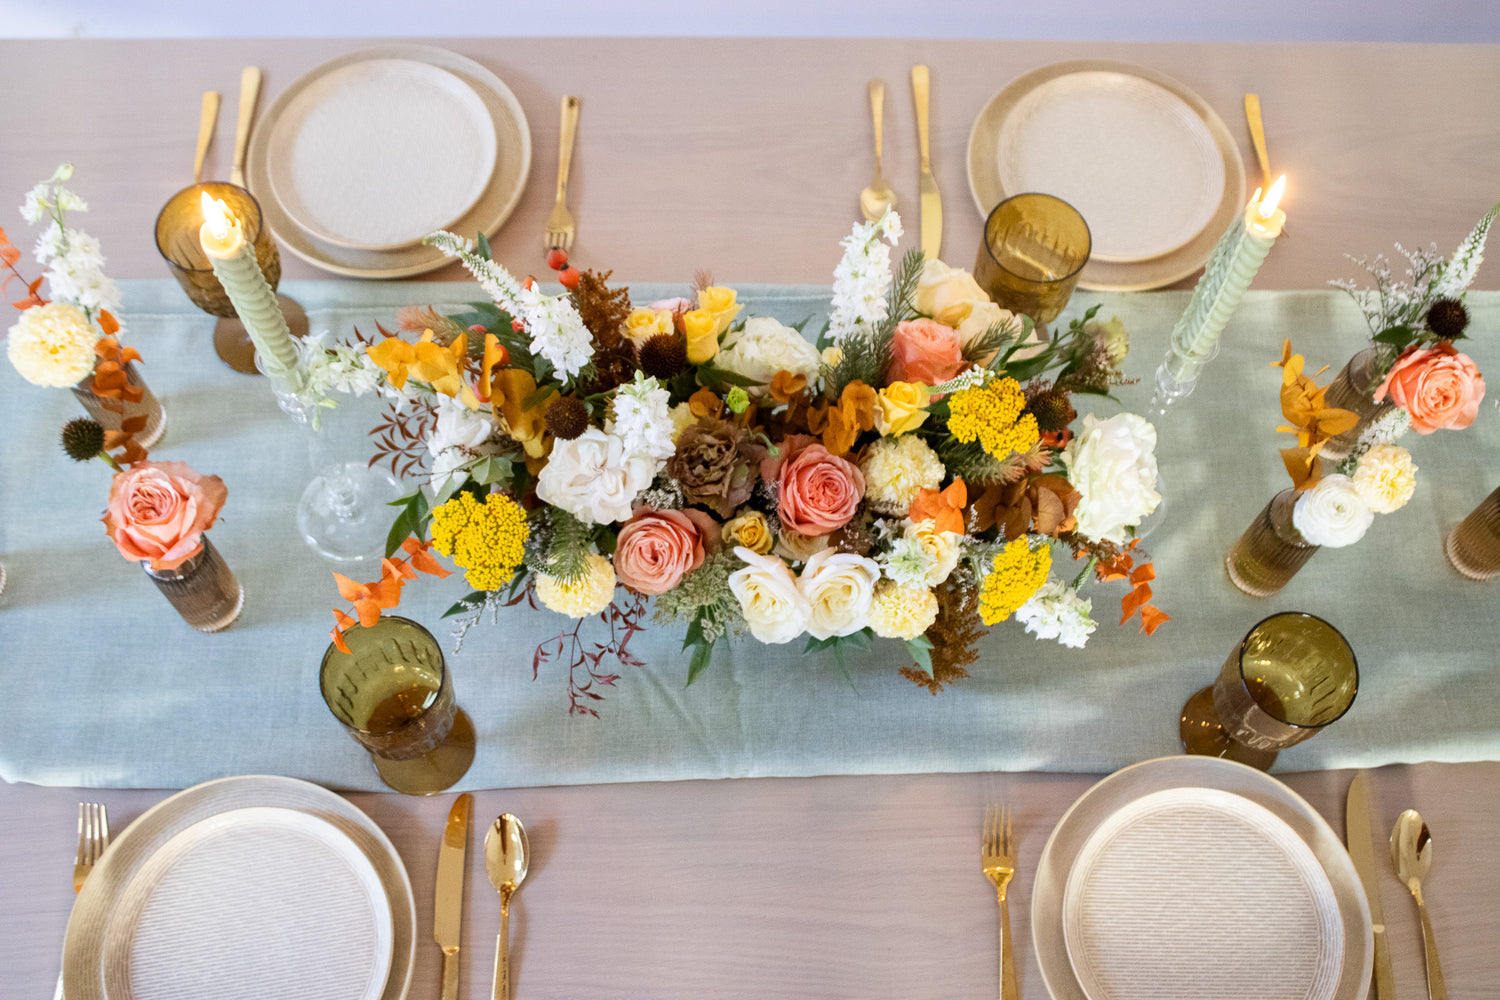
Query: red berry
(518, 326)
(529, 283)
(569, 277)
(557, 259)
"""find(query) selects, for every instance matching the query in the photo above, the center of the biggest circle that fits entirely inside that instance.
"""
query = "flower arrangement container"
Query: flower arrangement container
(1271, 550)
(1473, 548)
(204, 590)
(111, 413)
(1354, 390)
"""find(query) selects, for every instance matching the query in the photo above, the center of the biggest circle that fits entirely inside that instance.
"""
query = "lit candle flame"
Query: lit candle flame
(1267, 208)
(216, 215)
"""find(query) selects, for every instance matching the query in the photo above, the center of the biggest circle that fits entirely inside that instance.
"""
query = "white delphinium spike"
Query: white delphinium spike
(556, 330)
(863, 277)
(641, 417)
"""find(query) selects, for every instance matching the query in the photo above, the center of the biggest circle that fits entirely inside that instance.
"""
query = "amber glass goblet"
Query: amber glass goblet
(393, 693)
(1290, 677)
(1033, 249)
(177, 227)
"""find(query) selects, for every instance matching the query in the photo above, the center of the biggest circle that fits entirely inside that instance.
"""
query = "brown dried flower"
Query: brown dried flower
(716, 463)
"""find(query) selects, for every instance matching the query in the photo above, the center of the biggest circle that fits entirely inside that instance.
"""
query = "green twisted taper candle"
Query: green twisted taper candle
(234, 264)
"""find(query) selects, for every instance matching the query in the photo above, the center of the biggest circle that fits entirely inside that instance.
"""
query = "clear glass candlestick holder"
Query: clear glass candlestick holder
(344, 514)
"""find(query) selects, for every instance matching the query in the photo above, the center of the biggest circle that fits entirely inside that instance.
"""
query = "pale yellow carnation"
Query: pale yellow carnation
(682, 419)
(1385, 477)
(53, 344)
(895, 468)
(588, 595)
(900, 611)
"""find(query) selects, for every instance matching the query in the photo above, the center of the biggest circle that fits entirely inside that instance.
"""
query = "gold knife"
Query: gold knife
(249, 91)
(448, 910)
(1359, 836)
(932, 202)
(1258, 137)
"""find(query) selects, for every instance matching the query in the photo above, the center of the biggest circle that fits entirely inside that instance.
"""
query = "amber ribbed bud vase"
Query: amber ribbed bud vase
(1271, 550)
(1473, 548)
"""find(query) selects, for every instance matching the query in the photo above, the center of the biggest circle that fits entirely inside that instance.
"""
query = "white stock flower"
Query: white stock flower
(458, 437)
(838, 587)
(772, 605)
(764, 347)
(1056, 611)
(1332, 513)
(594, 478)
(642, 418)
(863, 277)
(1112, 463)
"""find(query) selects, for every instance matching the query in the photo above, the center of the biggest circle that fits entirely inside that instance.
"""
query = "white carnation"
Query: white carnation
(764, 347)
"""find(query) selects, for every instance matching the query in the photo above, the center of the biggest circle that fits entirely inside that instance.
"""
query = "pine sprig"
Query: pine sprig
(559, 544)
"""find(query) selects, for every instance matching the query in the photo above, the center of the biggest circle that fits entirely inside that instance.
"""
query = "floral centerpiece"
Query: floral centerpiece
(71, 340)
(908, 477)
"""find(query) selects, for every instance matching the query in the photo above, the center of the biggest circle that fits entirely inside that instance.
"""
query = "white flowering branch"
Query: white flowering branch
(557, 331)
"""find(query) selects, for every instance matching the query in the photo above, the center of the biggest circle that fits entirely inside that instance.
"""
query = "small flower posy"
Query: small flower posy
(904, 477)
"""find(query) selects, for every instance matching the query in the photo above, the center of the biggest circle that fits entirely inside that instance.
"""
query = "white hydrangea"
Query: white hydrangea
(863, 277)
(1056, 611)
(642, 418)
(556, 330)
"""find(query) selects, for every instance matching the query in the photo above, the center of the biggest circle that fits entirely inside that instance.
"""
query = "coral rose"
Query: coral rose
(657, 547)
(1437, 386)
(158, 512)
(923, 350)
(820, 492)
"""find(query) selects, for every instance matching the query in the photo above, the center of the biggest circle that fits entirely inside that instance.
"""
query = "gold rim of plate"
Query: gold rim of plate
(487, 215)
(1103, 275)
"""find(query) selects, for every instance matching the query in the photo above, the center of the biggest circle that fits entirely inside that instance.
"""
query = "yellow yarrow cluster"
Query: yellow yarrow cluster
(53, 344)
(995, 416)
(487, 540)
(588, 595)
(902, 611)
(1016, 573)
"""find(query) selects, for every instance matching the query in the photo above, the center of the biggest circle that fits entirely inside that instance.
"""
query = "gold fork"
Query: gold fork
(93, 838)
(998, 856)
(560, 229)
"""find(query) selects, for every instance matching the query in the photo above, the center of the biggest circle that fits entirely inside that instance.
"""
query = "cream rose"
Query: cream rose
(592, 477)
(797, 547)
(772, 605)
(763, 347)
(947, 294)
(1332, 513)
(1112, 464)
(941, 548)
(838, 588)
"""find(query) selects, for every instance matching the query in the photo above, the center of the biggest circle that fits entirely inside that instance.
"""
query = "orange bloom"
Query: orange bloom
(946, 507)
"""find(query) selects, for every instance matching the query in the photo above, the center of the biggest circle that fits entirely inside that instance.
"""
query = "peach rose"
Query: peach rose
(1437, 386)
(657, 547)
(926, 351)
(819, 491)
(158, 512)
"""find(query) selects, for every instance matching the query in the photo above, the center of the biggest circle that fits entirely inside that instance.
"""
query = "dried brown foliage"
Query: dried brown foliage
(954, 634)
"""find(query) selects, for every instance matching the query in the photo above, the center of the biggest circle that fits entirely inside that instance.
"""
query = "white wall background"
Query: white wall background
(1124, 20)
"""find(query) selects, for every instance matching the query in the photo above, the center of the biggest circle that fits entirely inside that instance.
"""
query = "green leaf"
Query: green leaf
(536, 397)
(451, 487)
(400, 531)
(466, 605)
(799, 327)
(1399, 335)
(482, 243)
(703, 654)
(920, 650)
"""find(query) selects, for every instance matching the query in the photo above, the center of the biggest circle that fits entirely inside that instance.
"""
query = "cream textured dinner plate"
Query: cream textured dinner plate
(376, 154)
(1233, 903)
(130, 878)
(512, 164)
(1189, 776)
(1152, 168)
(261, 902)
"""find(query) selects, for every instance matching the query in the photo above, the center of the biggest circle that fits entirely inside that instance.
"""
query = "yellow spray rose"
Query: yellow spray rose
(643, 324)
(900, 408)
(750, 530)
(719, 303)
(702, 335)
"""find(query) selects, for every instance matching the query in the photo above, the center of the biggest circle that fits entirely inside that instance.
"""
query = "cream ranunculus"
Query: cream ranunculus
(1386, 477)
(838, 588)
(1332, 513)
(592, 477)
(1112, 463)
(763, 347)
(900, 408)
(798, 547)
(947, 294)
(769, 599)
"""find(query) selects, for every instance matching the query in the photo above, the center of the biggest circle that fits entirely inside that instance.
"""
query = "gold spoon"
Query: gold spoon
(505, 859)
(249, 91)
(206, 121)
(875, 199)
(1411, 852)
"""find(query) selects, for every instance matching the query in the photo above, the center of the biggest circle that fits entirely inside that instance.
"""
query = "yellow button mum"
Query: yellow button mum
(488, 541)
(1016, 573)
(994, 415)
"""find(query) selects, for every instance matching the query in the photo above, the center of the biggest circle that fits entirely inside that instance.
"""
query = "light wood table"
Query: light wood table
(746, 157)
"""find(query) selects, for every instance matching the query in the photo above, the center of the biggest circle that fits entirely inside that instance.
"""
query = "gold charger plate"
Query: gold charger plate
(487, 214)
(988, 190)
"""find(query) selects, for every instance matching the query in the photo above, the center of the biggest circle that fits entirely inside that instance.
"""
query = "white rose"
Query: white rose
(1332, 513)
(593, 478)
(796, 547)
(1112, 463)
(773, 607)
(838, 587)
(941, 549)
(765, 347)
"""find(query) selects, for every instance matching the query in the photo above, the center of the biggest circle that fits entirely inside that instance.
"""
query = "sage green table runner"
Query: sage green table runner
(108, 687)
